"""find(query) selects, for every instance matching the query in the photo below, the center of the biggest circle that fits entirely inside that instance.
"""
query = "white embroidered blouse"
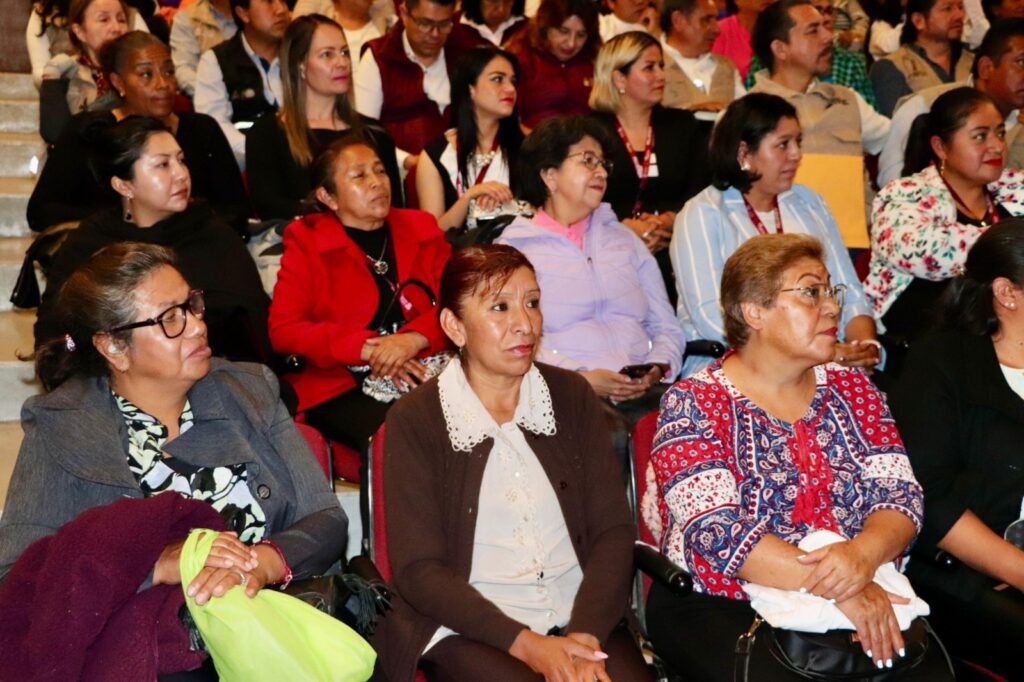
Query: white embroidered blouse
(523, 559)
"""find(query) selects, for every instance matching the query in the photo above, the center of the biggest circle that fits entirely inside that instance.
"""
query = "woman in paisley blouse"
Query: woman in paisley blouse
(955, 184)
(135, 407)
(765, 446)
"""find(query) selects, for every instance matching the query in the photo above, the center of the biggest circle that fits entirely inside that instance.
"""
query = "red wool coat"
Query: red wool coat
(325, 296)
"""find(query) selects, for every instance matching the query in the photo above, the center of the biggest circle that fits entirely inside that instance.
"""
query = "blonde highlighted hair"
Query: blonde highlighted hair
(293, 54)
(618, 54)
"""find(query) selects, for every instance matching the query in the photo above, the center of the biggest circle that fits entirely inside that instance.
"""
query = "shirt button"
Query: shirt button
(263, 491)
(563, 485)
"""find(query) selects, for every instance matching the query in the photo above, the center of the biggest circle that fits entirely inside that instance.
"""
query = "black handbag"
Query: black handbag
(833, 655)
(42, 250)
(358, 597)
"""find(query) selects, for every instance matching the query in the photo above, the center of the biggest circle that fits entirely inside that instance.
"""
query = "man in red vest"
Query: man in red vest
(404, 76)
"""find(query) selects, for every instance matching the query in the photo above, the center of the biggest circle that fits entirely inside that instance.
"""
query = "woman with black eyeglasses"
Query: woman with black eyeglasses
(143, 163)
(140, 437)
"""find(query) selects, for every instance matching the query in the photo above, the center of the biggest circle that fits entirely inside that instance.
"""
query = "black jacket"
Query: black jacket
(210, 257)
(68, 191)
(242, 81)
(963, 427)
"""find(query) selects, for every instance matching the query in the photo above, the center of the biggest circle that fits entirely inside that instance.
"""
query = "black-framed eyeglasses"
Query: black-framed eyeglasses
(426, 25)
(592, 161)
(819, 292)
(173, 320)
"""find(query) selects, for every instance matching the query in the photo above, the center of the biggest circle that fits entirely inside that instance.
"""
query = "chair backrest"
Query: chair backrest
(375, 490)
(318, 444)
(640, 449)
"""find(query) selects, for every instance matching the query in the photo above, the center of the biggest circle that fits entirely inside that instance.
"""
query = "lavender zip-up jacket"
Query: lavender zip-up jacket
(604, 306)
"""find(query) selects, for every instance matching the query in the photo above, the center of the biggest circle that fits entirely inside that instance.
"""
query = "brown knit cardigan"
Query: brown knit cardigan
(430, 500)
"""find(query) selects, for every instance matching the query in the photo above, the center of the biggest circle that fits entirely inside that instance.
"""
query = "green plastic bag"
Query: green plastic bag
(272, 636)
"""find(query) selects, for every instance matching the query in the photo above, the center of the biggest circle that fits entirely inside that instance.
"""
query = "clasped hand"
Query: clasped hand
(229, 563)
(394, 356)
(577, 657)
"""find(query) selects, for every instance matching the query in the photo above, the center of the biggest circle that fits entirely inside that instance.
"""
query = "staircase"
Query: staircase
(19, 146)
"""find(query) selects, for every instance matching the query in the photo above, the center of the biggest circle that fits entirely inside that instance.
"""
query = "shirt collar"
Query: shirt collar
(678, 56)
(258, 60)
(414, 58)
(485, 30)
(468, 421)
(572, 232)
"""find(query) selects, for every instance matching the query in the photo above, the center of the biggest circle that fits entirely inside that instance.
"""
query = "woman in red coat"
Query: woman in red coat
(342, 300)
(556, 54)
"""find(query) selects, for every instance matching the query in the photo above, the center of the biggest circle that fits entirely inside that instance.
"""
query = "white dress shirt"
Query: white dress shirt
(370, 87)
(212, 99)
(610, 26)
(700, 69)
(494, 37)
(523, 558)
(185, 47)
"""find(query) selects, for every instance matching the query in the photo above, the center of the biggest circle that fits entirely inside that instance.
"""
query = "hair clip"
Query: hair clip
(69, 343)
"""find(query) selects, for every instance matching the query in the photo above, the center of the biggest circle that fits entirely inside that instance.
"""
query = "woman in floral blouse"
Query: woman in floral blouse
(763, 448)
(955, 185)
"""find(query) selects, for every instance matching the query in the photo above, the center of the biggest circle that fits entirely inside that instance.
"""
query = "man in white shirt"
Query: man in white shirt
(404, 76)
(695, 78)
(625, 16)
(998, 72)
(195, 29)
(240, 80)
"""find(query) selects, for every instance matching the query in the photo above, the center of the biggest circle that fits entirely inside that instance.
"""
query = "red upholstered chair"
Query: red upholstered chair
(344, 460)
(650, 562)
(378, 535)
(321, 450)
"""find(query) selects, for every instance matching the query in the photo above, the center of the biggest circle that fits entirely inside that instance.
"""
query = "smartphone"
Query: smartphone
(636, 371)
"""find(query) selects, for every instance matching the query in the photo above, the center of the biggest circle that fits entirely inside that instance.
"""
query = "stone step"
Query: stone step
(17, 381)
(19, 115)
(18, 154)
(18, 86)
(14, 195)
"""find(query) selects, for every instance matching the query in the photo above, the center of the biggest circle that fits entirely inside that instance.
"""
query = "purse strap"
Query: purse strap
(744, 646)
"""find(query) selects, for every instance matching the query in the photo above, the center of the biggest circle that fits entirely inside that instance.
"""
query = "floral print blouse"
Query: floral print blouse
(727, 472)
(915, 233)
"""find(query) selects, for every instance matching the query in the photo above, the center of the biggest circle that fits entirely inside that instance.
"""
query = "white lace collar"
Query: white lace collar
(468, 421)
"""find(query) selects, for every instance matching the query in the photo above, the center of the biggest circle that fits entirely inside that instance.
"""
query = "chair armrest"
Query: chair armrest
(715, 349)
(657, 566)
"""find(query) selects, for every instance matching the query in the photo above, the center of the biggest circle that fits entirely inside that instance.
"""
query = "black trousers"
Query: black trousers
(696, 637)
(460, 659)
(977, 622)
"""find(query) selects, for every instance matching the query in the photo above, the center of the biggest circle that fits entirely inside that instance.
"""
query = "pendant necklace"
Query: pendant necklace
(379, 265)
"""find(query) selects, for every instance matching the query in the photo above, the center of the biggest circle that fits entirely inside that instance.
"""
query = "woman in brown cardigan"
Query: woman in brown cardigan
(507, 522)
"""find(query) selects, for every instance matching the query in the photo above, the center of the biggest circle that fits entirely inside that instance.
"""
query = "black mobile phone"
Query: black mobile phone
(636, 371)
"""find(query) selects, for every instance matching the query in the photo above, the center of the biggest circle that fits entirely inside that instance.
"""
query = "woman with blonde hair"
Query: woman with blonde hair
(317, 109)
(657, 152)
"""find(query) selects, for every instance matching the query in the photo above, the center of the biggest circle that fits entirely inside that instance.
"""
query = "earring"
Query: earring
(745, 166)
(942, 167)
(127, 209)
(622, 91)
(111, 348)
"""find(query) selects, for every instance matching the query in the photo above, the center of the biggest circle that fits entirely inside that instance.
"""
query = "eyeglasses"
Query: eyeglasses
(819, 292)
(426, 25)
(592, 161)
(172, 321)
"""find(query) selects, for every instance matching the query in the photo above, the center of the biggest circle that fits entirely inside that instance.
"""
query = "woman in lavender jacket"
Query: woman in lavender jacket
(609, 309)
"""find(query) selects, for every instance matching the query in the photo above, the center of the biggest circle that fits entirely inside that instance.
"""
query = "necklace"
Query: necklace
(379, 265)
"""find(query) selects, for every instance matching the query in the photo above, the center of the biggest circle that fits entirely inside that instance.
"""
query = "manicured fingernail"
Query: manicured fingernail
(880, 665)
(888, 663)
(600, 655)
(868, 652)
(803, 590)
(903, 652)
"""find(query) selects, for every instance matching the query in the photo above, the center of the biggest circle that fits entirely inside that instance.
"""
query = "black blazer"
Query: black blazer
(963, 427)
(681, 147)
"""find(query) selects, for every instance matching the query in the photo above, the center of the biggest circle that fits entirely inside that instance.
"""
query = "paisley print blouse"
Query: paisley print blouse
(727, 472)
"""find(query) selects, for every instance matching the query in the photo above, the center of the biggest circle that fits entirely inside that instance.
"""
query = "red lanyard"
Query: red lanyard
(479, 176)
(990, 206)
(643, 170)
(756, 219)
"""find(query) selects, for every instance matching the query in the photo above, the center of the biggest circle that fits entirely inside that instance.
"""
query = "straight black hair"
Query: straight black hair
(747, 120)
(968, 300)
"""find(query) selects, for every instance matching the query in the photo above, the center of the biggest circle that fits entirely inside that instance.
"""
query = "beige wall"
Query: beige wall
(13, 18)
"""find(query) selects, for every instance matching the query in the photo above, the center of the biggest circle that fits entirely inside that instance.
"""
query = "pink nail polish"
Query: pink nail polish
(600, 655)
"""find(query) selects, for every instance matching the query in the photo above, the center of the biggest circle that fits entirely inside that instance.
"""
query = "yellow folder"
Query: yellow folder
(840, 180)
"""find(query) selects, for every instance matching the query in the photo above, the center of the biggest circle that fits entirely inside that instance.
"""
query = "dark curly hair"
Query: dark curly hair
(548, 147)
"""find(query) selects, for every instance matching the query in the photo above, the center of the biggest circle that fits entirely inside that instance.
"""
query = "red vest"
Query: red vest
(408, 114)
(552, 87)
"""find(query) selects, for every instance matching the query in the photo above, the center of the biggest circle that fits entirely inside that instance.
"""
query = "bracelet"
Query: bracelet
(287, 579)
